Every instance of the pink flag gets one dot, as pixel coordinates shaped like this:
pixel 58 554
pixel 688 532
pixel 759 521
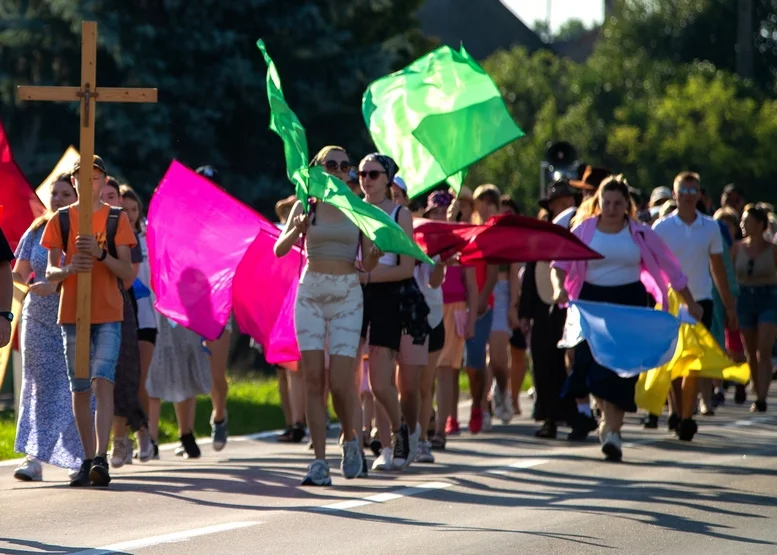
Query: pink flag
pixel 210 255
pixel 197 236
pixel 264 292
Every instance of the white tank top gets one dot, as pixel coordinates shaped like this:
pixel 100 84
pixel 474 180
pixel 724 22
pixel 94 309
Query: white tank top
pixel 389 258
pixel 621 262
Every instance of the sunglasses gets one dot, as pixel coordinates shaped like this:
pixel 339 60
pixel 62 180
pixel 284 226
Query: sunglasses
pixel 372 174
pixel 688 191
pixel 332 165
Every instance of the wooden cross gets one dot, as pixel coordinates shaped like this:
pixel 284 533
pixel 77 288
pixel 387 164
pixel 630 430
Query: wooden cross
pixel 87 95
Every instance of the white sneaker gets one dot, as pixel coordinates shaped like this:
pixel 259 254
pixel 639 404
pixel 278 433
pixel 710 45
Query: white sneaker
pixel 424 452
pixel 73 473
pixel 119 452
pixel 145 446
pixel 507 409
pixel 497 400
pixel 385 460
pixel 487 426
pixel 29 471
pixel 612 446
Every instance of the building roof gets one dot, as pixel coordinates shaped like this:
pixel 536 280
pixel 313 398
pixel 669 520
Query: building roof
pixel 483 26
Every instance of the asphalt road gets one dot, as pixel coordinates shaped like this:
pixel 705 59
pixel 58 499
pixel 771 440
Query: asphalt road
pixel 503 492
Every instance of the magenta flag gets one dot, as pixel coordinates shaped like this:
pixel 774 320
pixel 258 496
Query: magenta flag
pixel 211 255
pixel 264 293
pixel 197 236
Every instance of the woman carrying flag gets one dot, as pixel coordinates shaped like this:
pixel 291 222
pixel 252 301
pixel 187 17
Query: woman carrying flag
pixel 636 261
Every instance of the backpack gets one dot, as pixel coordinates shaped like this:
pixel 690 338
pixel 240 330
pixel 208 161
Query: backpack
pixel 111 227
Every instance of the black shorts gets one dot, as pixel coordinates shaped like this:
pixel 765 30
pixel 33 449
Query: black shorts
pixel 517 340
pixel 437 338
pixel 381 315
pixel 148 335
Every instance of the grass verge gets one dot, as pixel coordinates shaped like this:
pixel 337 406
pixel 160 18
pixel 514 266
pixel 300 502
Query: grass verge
pixel 254 405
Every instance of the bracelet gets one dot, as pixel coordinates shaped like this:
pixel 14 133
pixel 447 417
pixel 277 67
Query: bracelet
pixel 102 256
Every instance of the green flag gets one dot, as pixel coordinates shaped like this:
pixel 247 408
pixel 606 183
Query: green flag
pixel 378 226
pixel 437 117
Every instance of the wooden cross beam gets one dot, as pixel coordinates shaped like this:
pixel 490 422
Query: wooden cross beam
pixel 87 95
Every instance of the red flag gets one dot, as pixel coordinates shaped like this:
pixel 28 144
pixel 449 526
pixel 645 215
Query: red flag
pixel 20 203
pixel 501 240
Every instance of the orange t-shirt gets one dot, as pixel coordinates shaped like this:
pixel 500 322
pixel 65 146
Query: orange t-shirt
pixel 107 300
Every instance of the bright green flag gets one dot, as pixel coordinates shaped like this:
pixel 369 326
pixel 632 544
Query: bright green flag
pixel 380 227
pixel 437 117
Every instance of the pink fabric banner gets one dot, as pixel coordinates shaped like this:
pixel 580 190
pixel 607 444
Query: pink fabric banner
pixel 264 293
pixel 197 236
pixel 211 255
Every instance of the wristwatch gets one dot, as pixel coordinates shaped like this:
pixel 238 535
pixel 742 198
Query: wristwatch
pixel 7 315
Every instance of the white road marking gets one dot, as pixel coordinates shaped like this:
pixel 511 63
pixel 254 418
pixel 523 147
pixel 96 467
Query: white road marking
pixel 166 538
pixel 383 497
pixel 522 464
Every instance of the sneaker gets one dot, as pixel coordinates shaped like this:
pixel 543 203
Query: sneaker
pixel 219 432
pixel 29 471
pixel 179 451
pixel 438 442
pixel 475 421
pixel 650 422
pixel 549 430
pixel 318 474
pixel 740 394
pixel 402 462
pixel 758 406
pixel 156 450
pixel 130 450
pixel 497 400
pixel 424 454
pixel 672 422
pixel 81 479
pixel 351 465
pixel 486 426
pixel 612 446
pixel 365 467
pixel 508 409
pixel 73 473
pixel 99 475
pixel 119 453
pixel 581 427
pixel 686 429
pixel 285 437
pixel 452 427
pixel 190 447
pixel 385 460
pixel 146 446
pixel 718 398
pixel 400 443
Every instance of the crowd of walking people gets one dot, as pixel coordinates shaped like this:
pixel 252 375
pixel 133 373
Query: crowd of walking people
pixel 383 334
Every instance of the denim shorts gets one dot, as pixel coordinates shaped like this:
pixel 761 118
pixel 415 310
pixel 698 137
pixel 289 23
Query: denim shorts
pixel 757 305
pixel 105 341
pixel 475 352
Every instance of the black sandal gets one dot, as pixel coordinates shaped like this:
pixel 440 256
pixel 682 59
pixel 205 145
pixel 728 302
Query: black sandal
pixel 285 437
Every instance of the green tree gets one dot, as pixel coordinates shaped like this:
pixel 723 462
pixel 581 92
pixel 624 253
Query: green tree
pixel 570 30
pixel 203 59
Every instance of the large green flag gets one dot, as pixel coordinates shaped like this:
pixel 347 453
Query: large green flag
pixel 437 117
pixel 315 182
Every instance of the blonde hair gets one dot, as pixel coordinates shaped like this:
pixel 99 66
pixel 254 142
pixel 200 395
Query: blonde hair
pixel 283 208
pixel 686 176
pixel 320 158
pixel 591 206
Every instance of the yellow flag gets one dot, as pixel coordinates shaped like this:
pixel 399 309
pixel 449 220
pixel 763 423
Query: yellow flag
pixel 19 292
pixel 697 351
pixel 64 165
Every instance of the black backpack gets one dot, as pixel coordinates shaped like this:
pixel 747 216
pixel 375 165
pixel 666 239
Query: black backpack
pixel 111 227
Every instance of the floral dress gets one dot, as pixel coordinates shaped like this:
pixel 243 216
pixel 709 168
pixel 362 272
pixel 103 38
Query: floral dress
pixel 46 428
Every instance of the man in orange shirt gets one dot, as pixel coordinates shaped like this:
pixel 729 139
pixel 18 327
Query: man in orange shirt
pixel 89 254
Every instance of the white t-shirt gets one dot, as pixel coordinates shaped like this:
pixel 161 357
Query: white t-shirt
pixel 433 296
pixel 692 245
pixel 565 217
pixel 148 317
pixel 621 262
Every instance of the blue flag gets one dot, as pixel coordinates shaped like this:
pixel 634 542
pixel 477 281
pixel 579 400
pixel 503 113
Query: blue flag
pixel 628 340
